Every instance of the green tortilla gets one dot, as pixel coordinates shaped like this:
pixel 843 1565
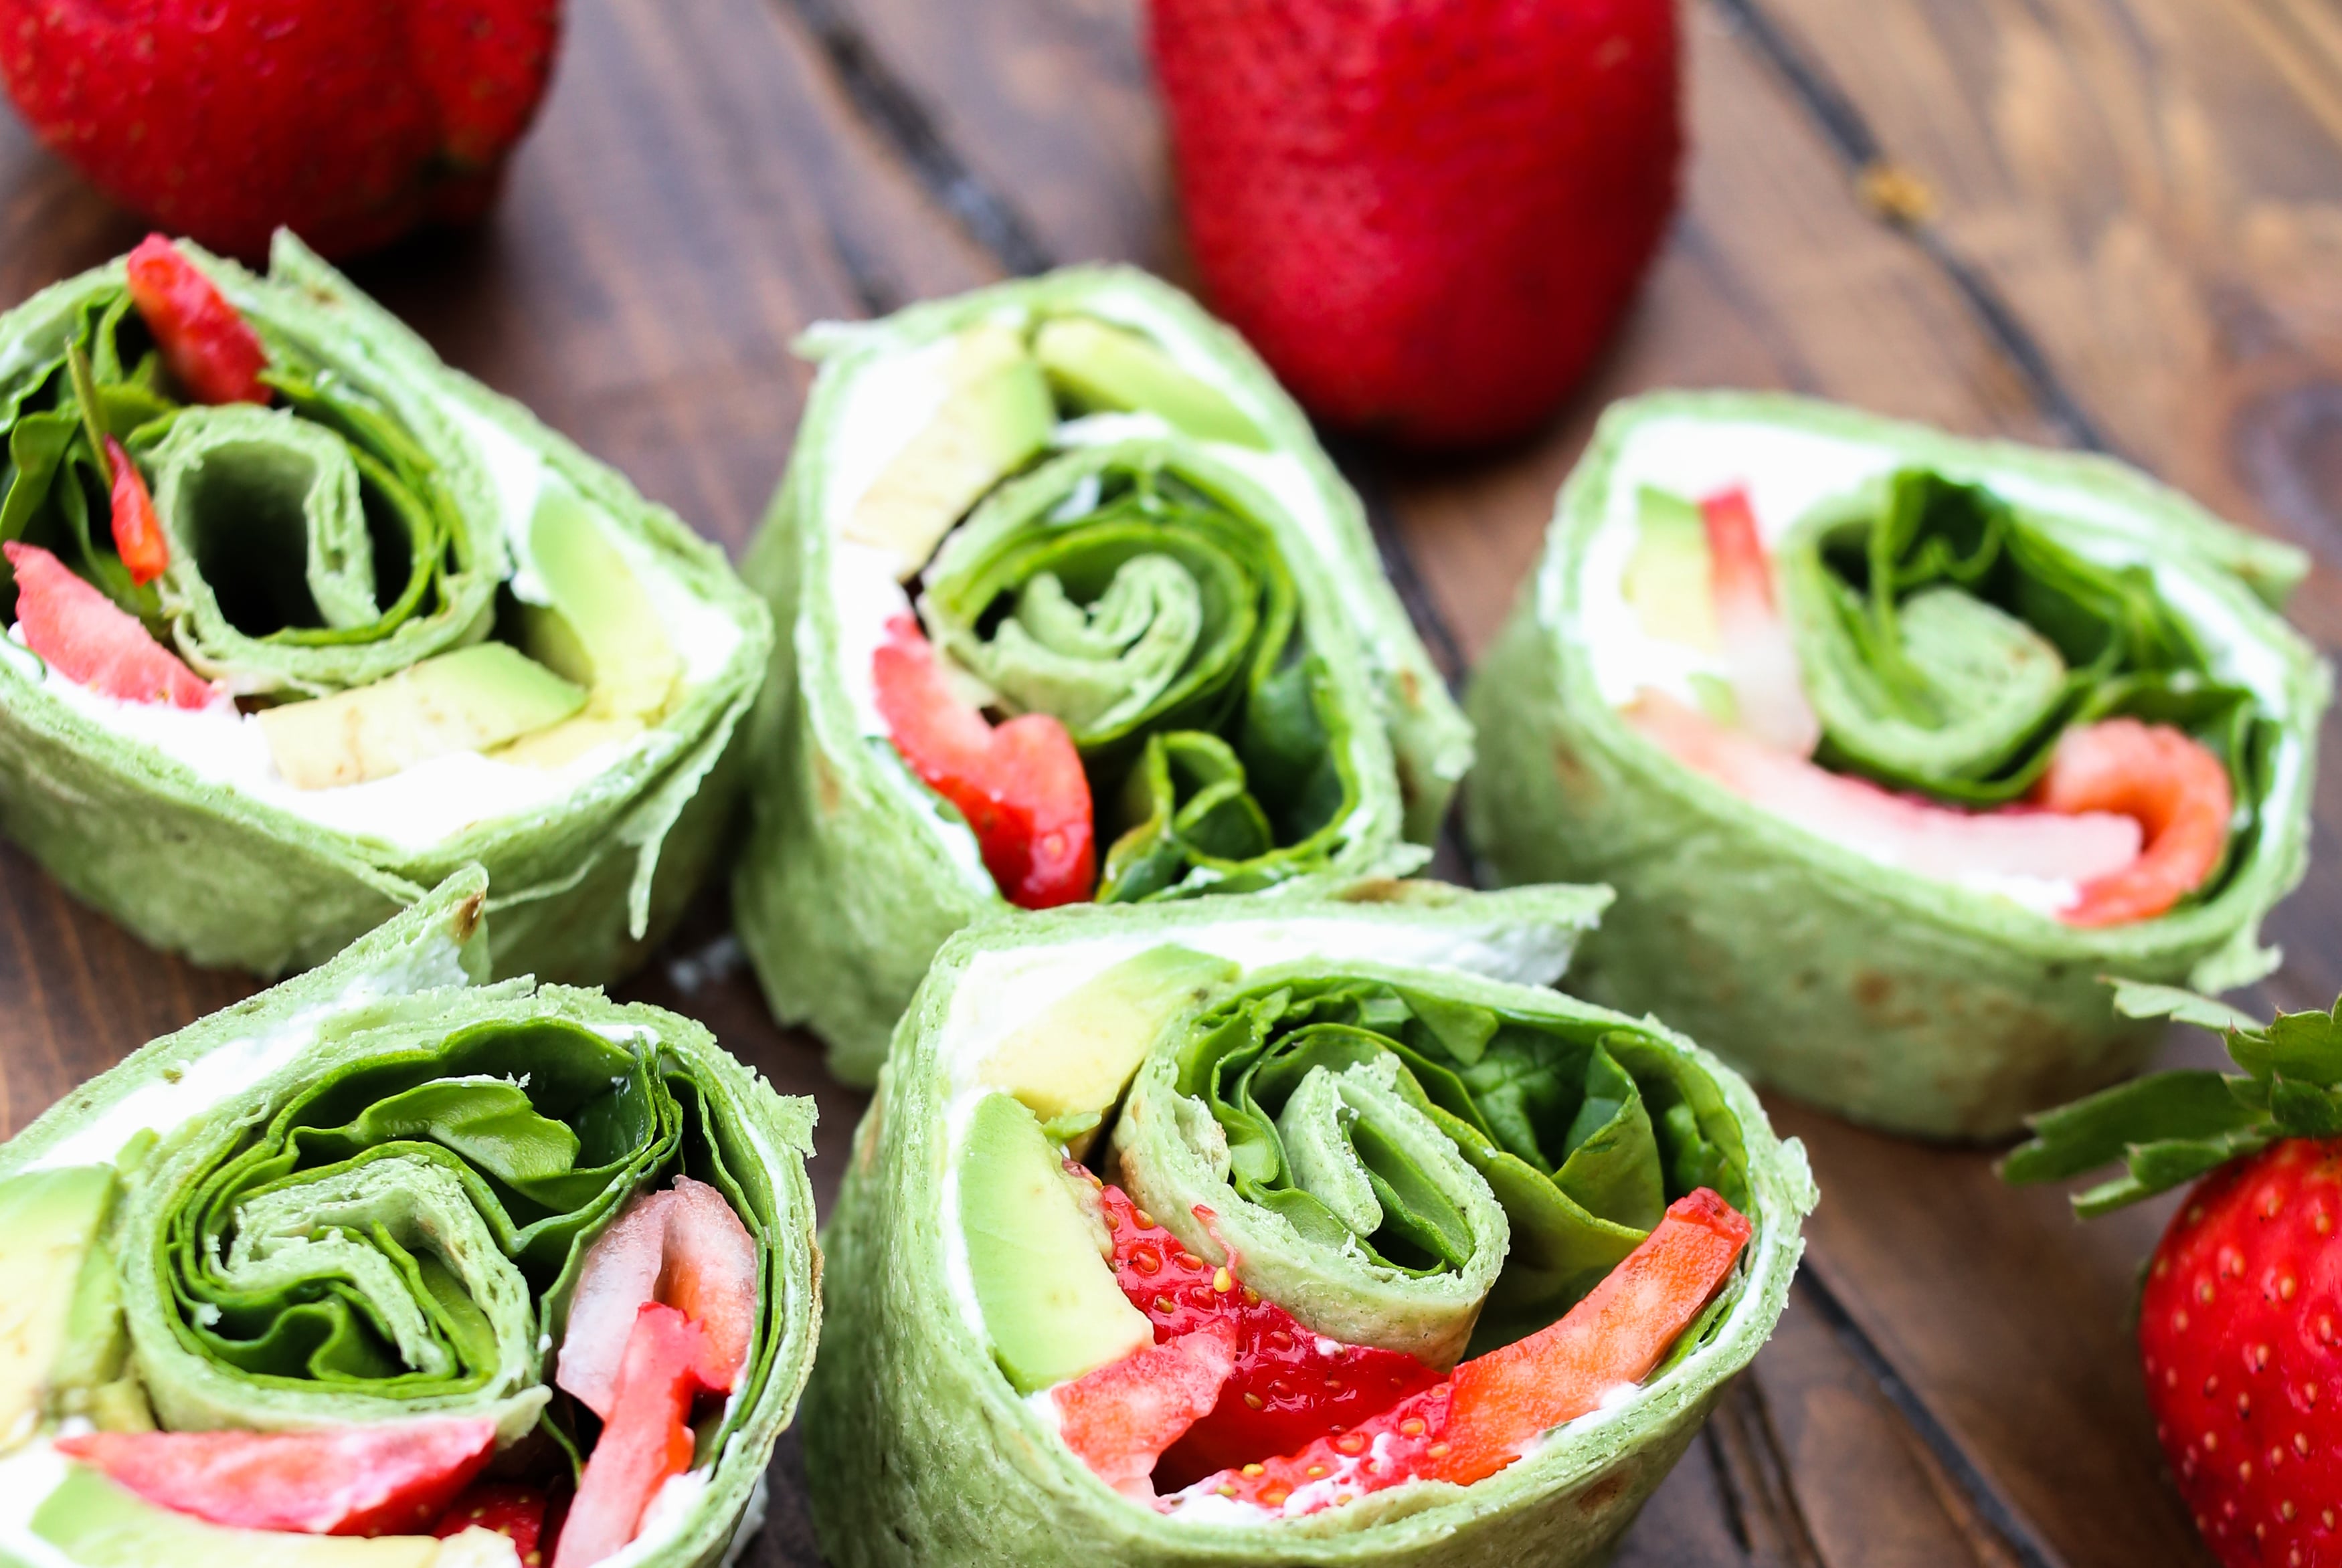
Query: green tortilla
pixel 379 510
pixel 393 1146
pixel 1906 1002
pixel 920 1451
pixel 1274 722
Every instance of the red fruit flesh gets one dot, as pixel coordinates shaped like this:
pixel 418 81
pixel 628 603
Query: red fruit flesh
pixel 1426 214
pixel 2240 1337
pixel 1120 1418
pixel 210 349
pixel 1497 1405
pixel 1287 1385
pixel 1020 786
pixel 1914 834
pixel 1756 646
pixel 392 1479
pixel 137 532
pixel 512 1511
pixel 645 1442
pixel 682 1248
pixel 2177 789
pixel 344 120
pixel 92 641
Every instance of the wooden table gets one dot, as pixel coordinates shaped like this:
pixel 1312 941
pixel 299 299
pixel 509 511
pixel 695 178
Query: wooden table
pixel 2109 223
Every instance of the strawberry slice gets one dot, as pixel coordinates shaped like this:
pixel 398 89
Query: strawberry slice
pixel 391 1478
pixel 1498 1404
pixel 646 1441
pixel 508 1509
pixel 1287 1385
pixel 138 537
pixel 1760 656
pixel 682 1248
pixel 211 349
pixel 2177 789
pixel 1914 834
pixel 1120 1418
pixel 95 643
pixel 1020 786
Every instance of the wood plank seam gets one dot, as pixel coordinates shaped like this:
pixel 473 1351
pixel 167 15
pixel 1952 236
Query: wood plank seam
pixel 1754 1480
pixel 1848 134
pixel 1994 1512
pixel 884 99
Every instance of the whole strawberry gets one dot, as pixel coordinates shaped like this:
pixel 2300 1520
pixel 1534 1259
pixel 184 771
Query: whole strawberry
pixel 1426 215
pixel 348 121
pixel 2240 1312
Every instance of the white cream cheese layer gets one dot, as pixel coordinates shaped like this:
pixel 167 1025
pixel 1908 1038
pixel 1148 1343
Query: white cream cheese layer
pixel 1788 472
pixel 427 805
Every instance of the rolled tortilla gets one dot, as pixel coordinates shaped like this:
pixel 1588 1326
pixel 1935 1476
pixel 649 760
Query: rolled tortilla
pixel 1911 986
pixel 1132 529
pixel 384 513
pixel 1549 1155
pixel 363 1196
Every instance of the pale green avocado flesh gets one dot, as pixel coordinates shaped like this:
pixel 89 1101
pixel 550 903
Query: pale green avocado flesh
pixel 49 1224
pixel 1074 1059
pixel 997 415
pixel 466 701
pixel 1051 1307
pixel 1667 579
pixel 1098 366
pixel 97 1525
pixel 615 643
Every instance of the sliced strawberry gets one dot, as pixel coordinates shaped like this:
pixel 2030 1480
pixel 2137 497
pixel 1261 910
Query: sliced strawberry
pixel 1120 1418
pixel 137 532
pixel 1289 1384
pixel 211 349
pixel 645 1440
pixel 510 1510
pixel 1498 1404
pixel 2177 789
pixel 1020 786
pixel 684 1248
pixel 1914 834
pixel 1760 658
pixel 393 1478
pixel 95 643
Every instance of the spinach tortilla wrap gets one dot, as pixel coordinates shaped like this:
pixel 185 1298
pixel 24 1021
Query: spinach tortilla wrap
pixel 1071 607
pixel 302 621
pixel 369 1269
pixel 1311 1230
pixel 1893 744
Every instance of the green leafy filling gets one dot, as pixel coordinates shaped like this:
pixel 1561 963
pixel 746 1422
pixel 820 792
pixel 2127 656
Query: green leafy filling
pixel 1948 641
pixel 1583 1130
pixel 1119 591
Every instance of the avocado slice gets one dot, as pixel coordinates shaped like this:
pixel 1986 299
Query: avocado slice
pixel 50 1223
pixel 602 630
pixel 1667 579
pixel 466 701
pixel 97 1525
pixel 1076 1056
pixel 1095 365
pixel 1050 1303
pixel 997 415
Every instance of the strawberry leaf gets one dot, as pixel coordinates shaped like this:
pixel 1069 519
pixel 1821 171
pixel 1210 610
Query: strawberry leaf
pixel 2172 1127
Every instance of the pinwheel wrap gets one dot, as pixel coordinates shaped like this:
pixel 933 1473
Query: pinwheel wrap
pixel 364 1195
pixel 1955 607
pixel 381 511
pixel 1200 602
pixel 1538 1127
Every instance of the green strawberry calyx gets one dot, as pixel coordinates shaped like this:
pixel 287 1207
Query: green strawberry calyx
pixel 2171 1127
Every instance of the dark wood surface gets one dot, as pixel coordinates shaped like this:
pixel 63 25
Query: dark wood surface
pixel 2105 222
